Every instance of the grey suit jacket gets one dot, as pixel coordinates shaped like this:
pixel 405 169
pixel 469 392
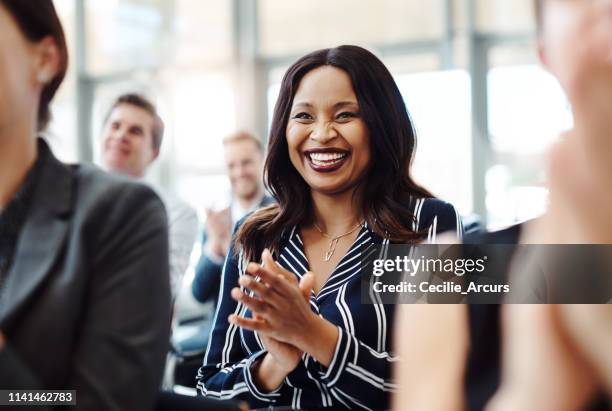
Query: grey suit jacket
pixel 87 299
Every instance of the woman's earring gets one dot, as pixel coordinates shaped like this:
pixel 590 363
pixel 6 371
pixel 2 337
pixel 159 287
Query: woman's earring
pixel 42 77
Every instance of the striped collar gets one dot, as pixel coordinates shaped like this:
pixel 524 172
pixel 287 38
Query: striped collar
pixel 293 258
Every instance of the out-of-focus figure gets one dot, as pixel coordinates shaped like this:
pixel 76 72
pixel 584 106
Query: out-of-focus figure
pixel 244 160
pixel 132 138
pixel 570 343
pixel 554 356
pixel 84 290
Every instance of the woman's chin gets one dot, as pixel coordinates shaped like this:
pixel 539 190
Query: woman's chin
pixel 330 189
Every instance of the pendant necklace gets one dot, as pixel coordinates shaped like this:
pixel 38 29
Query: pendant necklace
pixel 334 240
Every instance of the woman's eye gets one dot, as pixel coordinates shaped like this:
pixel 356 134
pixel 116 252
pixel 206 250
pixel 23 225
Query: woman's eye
pixel 302 116
pixel 346 115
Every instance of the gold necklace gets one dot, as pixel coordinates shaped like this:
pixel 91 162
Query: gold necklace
pixel 334 240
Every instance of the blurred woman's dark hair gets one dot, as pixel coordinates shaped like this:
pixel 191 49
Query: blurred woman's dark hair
pixel 38 19
pixel 388 190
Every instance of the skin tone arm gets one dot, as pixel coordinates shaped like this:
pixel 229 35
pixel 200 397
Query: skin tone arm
pixel 431 372
pixel 1 341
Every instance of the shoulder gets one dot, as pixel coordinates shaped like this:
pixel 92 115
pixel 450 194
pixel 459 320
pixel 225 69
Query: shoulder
pixel 509 235
pixel 438 213
pixel 179 211
pixel 258 218
pixel 267 200
pixel 108 197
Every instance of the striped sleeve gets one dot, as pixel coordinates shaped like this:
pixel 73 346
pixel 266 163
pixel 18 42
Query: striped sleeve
pixel 439 217
pixel 226 372
pixel 358 374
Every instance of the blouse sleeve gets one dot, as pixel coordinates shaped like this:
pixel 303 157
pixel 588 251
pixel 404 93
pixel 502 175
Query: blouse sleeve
pixel 437 217
pixel 358 374
pixel 226 371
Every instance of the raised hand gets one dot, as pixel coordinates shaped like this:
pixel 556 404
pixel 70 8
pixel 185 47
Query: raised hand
pixel 219 231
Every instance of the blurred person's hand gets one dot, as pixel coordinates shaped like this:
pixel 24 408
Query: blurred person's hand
pixel 576 47
pixel 541 369
pixel 219 231
pixel 580 182
pixel 551 353
pixel 1 341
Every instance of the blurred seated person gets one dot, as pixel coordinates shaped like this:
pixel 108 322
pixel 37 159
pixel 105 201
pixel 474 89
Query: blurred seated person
pixel 131 141
pixel 243 153
pixel 84 289
pixel 291 328
pixel 244 158
pixel 553 355
pixel 570 343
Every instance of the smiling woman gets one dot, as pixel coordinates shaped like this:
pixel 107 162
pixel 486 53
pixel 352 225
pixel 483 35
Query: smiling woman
pixel 338 164
pixel 325 108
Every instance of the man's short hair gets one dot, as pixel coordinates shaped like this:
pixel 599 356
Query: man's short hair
pixel 145 104
pixel 243 136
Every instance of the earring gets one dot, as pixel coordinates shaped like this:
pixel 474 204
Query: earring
pixel 43 77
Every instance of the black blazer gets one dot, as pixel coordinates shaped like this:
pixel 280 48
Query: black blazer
pixel 86 304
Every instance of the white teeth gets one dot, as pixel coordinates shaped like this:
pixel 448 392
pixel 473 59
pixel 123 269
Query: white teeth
pixel 326 156
pixel 326 159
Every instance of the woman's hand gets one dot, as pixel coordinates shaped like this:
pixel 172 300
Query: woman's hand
pixel 280 360
pixel 286 357
pixel 283 309
pixel 279 301
pixel 281 357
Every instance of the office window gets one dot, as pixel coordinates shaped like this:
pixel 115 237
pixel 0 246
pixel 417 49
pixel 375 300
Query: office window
pixel 504 16
pixel 134 34
pixel 439 103
pixel 286 28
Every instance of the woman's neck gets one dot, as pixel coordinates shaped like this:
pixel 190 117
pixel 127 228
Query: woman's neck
pixel 17 155
pixel 336 214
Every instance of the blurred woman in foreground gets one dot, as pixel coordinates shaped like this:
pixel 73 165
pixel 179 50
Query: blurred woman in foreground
pixel 84 286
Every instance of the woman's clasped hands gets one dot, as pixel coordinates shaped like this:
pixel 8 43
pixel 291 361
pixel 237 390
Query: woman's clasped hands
pixel 282 317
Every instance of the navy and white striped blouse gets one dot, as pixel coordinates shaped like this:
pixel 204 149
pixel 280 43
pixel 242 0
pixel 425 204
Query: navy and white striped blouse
pixel 359 376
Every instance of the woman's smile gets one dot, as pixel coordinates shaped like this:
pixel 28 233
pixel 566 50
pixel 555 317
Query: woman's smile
pixel 326 160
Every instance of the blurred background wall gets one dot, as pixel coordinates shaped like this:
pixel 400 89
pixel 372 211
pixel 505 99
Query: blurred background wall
pixel 484 110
